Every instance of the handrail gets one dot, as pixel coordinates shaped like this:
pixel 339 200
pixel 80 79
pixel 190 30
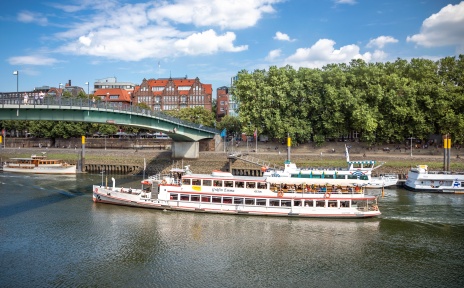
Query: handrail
pixel 86 104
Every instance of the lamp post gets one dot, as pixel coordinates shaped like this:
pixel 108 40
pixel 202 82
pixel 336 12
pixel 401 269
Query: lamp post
pixel 106 100
pixel 17 83
pixel 88 96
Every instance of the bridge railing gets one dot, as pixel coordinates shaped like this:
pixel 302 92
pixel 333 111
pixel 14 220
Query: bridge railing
pixel 87 104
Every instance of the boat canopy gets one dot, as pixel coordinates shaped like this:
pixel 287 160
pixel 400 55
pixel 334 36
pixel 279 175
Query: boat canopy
pixel 316 181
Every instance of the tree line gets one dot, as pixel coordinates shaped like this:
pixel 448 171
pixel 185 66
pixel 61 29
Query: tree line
pixel 382 102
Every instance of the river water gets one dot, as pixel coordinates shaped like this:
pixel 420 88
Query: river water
pixel 53 235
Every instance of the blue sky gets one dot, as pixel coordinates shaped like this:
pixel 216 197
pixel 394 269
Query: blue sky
pixel 50 42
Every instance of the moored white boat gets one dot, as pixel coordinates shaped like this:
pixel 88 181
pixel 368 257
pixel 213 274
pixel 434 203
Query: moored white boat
pixel 357 170
pixel 420 179
pixel 221 192
pixel 38 165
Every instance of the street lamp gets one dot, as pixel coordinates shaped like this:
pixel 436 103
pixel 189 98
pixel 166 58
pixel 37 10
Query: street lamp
pixel 107 97
pixel 88 96
pixel 17 81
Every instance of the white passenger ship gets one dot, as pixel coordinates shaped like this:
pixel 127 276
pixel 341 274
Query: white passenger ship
pixel 420 179
pixel 357 170
pixel 38 164
pixel 221 192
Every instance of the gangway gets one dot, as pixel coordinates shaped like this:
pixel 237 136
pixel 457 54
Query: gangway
pixel 250 159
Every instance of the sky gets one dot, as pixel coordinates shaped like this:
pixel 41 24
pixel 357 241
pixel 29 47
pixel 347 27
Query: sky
pixel 50 42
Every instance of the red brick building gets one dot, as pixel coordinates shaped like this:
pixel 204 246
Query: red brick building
pixel 222 94
pixel 162 94
pixel 173 93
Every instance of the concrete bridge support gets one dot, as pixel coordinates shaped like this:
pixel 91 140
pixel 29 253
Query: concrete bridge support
pixel 185 150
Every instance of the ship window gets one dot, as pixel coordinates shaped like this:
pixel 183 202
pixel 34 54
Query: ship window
pixel 174 196
pixel 345 204
pixel 216 199
pixel 238 200
pixel 286 203
pixel 332 204
pixel 228 183
pixel 185 181
pixel 239 184
pixel 251 185
pixel 227 200
pixel 309 203
pixel 195 198
pixel 261 202
pixel 206 182
pixel 274 202
pixel 261 185
pixel 320 203
pixel 206 199
pixel 217 183
pixel 184 197
pixel 249 201
pixel 297 203
pixel 196 182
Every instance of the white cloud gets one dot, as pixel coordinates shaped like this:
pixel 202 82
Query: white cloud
pixel 31 17
pixel 381 41
pixel 445 28
pixel 323 53
pixel 273 54
pixel 227 14
pixel 208 43
pixel 282 36
pixel 32 60
pixel 133 32
pixel 351 2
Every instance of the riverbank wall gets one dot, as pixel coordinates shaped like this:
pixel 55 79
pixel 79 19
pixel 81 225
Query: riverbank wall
pixel 133 161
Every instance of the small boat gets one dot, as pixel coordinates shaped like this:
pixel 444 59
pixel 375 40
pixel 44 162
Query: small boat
pixel 420 179
pixel 357 170
pixel 38 164
pixel 224 193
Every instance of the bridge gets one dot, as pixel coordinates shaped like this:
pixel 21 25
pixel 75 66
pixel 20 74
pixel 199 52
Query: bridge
pixel 185 135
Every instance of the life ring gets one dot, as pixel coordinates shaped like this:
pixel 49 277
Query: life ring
pixel 96 190
pixel 280 194
pixel 327 194
pixel 375 207
pixel 163 182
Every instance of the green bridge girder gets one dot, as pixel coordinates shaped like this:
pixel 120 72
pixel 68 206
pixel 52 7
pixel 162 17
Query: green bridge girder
pixel 178 130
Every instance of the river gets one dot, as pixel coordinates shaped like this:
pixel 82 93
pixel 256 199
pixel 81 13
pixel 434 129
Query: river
pixel 53 235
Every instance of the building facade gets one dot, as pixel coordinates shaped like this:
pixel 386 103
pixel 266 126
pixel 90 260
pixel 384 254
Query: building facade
pixel 222 104
pixel 173 93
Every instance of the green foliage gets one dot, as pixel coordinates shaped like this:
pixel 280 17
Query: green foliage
pixel 382 102
pixel 231 124
pixel 197 115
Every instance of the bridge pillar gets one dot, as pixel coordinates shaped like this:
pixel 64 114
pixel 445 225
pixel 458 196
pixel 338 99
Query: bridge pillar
pixel 188 150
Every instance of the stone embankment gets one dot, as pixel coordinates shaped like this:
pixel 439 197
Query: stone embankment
pixel 330 155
